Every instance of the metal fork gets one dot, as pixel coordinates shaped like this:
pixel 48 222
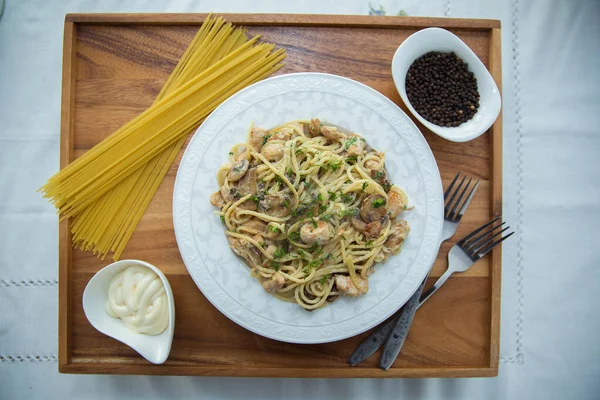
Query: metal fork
pixel 454 209
pixel 470 249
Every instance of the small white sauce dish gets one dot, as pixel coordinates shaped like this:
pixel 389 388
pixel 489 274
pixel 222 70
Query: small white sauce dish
pixel 154 348
pixel 437 39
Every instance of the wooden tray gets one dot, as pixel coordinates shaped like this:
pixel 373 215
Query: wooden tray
pixel 115 64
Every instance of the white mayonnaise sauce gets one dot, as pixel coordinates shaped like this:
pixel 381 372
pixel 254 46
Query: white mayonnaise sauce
pixel 138 297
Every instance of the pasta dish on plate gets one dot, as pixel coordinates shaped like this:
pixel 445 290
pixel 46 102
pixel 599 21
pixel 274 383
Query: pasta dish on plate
pixel 311 210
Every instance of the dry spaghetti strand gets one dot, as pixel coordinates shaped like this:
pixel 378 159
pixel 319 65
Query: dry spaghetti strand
pixel 106 191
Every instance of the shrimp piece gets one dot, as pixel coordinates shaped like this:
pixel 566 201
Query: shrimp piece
pixel 395 205
pixel 345 285
pixel 279 135
pixel 355 145
pixel 274 284
pixel 372 165
pixel 257 138
pixel 331 132
pixel 217 200
pixel 272 151
pixel 245 250
pixel 395 240
pixel 315 127
pixel 271 249
pixel 319 234
pixel 236 246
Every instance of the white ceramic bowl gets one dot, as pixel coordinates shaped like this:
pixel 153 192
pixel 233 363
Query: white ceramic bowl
pixel 154 348
pixel 437 39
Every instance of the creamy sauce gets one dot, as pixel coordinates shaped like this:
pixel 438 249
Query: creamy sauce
pixel 137 296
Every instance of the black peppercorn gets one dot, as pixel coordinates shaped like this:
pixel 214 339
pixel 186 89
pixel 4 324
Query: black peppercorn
pixel 441 89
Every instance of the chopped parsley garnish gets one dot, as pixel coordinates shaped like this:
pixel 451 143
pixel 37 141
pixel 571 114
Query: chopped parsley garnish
pixel 255 198
pixel 404 207
pixel 299 151
pixel 231 153
pixel 302 253
pixel 274 229
pixel 351 159
pixel 275 265
pixel 378 203
pixel 307 184
pixel 278 178
pixel 323 279
pixel 369 243
pixel 314 263
pixel 280 252
pixel 334 165
pixel 331 196
pixel 350 142
pixel 286 203
pixel 314 222
pixel 329 256
pixel 266 138
pixel 294 236
pixel 346 198
pixel 315 248
pixel 289 171
pixel 325 217
pixel 364 186
pixel 222 218
pixel 322 208
pixel 320 197
pixel 379 175
pixel 363 139
pixel 352 211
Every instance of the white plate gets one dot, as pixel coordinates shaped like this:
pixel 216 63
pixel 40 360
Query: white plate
pixel 224 278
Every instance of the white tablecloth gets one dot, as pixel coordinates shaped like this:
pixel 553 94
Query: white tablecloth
pixel 551 274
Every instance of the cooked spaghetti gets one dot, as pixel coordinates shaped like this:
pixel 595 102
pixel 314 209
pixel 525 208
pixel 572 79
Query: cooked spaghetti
pixel 311 210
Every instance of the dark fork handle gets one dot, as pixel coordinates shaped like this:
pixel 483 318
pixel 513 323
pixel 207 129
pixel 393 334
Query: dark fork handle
pixel 374 341
pixel 438 284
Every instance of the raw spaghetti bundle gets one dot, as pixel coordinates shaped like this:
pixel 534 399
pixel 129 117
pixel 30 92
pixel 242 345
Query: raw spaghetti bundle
pixel 106 191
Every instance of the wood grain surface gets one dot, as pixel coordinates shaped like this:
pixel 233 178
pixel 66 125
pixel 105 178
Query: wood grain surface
pixel 114 65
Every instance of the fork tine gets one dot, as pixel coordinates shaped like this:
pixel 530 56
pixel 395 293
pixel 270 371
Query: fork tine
pixel 467 201
pixel 447 192
pixel 476 231
pixel 454 196
pixel 471 243
pixel 491 246
pixel 488 241
pixel 455 208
